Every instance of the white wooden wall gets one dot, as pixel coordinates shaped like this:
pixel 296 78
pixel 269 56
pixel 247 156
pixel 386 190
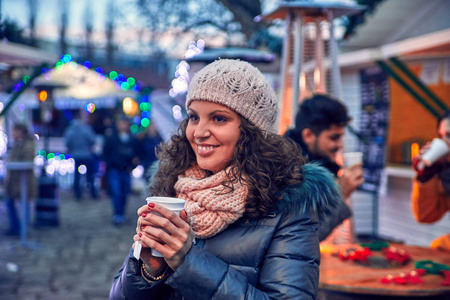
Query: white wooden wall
pixel 362 202
pixel 351 97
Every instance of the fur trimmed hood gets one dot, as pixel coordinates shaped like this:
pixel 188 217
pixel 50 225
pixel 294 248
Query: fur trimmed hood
pixel 318 191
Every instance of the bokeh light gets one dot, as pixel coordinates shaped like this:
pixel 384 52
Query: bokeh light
pixel 145 122
pixel 50 170
pixel 145 114
pixel 82 169
pixel 130 107
pixel 181 81
pixel 138 171
pixel 3 143
pixel 89 107
pixel 39 160
pixel 145 106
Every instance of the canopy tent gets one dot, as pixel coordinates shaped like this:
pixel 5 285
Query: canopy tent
pixel 12 54
pixel 75 81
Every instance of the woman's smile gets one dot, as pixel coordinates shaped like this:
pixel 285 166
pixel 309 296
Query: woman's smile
pixel 205 150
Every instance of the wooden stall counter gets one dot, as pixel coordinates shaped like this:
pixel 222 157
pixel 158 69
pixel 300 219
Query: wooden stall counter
pixel 376 276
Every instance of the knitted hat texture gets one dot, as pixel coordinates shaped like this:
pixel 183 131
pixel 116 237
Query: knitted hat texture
pixel 239 86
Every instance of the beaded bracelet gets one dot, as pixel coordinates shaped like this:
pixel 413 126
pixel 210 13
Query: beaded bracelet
pixel 150 278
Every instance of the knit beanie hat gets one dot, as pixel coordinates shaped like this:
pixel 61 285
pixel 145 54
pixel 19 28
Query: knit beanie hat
pixel 239 86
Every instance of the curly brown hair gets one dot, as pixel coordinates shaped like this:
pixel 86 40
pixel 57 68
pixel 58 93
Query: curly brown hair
pixel 268 164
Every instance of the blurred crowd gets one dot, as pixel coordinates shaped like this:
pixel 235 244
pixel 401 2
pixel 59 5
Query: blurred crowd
pixel 103 163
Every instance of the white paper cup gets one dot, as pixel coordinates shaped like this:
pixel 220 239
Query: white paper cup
pixel 438 148
pixel 174 204
pixel 352 158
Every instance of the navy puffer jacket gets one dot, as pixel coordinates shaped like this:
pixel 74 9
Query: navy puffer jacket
pixel 275 257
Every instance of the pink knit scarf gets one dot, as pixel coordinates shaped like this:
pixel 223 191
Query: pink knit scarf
pixel 209 209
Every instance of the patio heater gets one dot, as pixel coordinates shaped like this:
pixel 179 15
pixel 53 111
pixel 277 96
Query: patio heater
pixel 309 37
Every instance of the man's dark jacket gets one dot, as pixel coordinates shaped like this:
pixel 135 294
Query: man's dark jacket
pixel 327 222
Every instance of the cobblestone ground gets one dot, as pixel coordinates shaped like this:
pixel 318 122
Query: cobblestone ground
pixel 75 261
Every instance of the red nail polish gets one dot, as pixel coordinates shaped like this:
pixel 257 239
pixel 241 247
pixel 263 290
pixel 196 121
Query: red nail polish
pixel 151 205
pixel 140 234
pixel 143 226
pixel 144 215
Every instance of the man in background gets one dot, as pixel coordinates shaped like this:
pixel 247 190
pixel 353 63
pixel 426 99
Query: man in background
pixel 120 152
pixel 319 128
pixel 80 138
pixel 22 150
pixel 430 197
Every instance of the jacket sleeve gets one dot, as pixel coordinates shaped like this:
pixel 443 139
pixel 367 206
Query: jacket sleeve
pixel 428 201
pixel 290 269
pixel 328 222
pixel 129 284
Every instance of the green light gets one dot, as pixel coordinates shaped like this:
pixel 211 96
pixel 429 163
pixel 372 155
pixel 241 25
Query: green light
pixel 145 106
pixel 59 65
pixel 134 129
pixel 42 152
pixel 26 78
pixel 113 75
pixel 131 81
pixel 124 85
pixel 50 155
pixel 62 156
pixel 145 122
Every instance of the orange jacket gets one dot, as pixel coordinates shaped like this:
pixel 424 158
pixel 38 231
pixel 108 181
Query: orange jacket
pixel 429 204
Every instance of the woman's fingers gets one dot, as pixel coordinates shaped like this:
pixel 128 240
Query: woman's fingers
pixel 153 237
pixel 184 216
pixel 143 209
pixel 136 238
pixel 166 232
pixel 173 216
pixel 157 224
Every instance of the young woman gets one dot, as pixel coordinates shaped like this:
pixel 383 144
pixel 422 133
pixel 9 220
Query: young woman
pixel 249 228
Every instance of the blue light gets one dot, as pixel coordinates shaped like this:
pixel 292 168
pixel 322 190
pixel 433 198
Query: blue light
pixel 145 114
pixel 99 70
pixel 87 64
pixel 66 58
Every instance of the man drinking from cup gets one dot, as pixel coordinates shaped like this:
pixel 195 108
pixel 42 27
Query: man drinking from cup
pixel 319 128
pixel 430 197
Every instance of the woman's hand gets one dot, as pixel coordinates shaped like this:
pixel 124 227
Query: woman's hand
pixel 167 233
pixel 154 265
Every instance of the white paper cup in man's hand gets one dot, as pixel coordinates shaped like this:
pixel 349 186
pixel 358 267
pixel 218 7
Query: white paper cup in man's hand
pixel 438 148
pixel 174 204
pixel 352 158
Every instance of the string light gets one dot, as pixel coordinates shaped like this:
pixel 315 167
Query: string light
pixel 181 81
pixel 89 107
